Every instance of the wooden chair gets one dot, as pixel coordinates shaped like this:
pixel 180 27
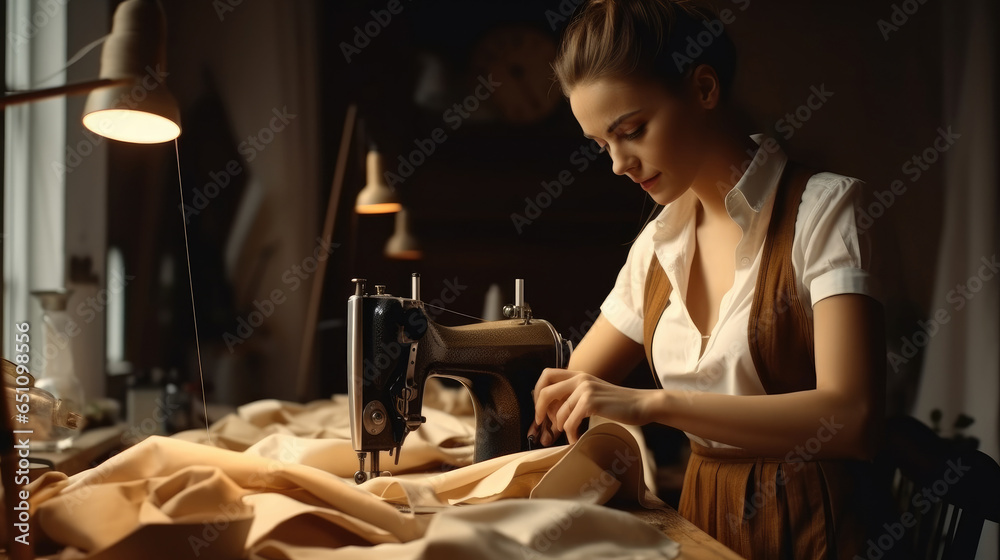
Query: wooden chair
pixel 943 491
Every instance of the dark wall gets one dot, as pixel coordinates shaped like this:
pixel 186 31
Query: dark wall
pixel 882 107
pixel 885 108
pixel 461 197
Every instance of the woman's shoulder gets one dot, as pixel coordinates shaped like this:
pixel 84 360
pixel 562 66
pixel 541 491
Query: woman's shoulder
pixel 827 192
pixel 829 181
pixel 830 252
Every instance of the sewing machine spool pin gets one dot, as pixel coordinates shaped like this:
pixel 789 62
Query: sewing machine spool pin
pixel 520 309
pixel 359 286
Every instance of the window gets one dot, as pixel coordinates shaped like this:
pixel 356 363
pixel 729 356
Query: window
pixel 34 134
pixel 54 175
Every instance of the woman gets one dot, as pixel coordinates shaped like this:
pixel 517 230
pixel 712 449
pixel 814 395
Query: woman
pixel 748 293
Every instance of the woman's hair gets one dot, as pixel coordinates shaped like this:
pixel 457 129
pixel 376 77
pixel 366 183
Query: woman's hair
pixel 660 40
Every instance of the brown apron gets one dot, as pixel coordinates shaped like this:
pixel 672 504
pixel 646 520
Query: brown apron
pixel 768 508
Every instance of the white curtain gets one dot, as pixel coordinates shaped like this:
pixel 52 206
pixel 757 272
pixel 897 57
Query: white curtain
pixel 962 363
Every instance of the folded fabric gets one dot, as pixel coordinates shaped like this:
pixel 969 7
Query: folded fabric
pixel 318 434
pixel 517 528
pixel 446 440
pixel 288 496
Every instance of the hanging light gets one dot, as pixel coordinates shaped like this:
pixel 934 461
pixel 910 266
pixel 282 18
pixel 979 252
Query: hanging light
pixel 403 245
pixel 377 197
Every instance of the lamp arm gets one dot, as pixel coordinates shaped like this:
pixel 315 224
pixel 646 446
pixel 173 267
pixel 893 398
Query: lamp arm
pixel 68 89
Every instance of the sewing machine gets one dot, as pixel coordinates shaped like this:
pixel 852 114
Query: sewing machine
pixel 393 346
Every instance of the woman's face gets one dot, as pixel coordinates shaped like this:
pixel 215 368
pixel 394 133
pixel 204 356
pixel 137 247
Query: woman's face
pixel 652 134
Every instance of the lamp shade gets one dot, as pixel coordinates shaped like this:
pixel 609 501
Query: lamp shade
pixel 377 197
pixel 403 245
pixel 138 108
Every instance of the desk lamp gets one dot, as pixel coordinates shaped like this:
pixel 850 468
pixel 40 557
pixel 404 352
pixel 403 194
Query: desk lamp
pixel 128 103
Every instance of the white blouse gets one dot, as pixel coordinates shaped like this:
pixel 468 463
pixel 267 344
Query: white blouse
pixel 827 257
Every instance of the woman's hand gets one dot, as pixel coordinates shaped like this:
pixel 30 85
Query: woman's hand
pixel 564 398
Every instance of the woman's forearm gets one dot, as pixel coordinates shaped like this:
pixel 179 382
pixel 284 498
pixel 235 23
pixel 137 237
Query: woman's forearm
pixel 841 418
pixel 797 426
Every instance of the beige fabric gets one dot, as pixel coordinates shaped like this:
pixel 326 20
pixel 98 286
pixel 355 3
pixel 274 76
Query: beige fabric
pixel 282 495
pixel 446 440
pixel 318 435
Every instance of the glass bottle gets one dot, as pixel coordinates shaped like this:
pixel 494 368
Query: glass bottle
pixel 45 412
pixel 55 375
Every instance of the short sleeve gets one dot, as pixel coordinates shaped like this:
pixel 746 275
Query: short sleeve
pixel 623 306
pixel 827 251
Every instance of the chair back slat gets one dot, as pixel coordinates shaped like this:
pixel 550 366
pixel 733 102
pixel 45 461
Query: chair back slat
pixel 946 489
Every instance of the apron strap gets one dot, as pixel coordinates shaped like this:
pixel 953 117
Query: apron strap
pixel 656 297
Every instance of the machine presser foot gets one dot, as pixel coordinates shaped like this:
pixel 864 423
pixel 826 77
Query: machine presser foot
pixel 362 475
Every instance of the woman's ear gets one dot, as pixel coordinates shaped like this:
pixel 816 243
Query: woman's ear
pixel 705 86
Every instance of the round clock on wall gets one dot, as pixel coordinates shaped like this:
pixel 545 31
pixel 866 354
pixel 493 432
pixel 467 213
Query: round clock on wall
pixel 519 57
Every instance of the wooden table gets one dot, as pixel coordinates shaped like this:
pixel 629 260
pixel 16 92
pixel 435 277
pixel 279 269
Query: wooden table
pixel 695 543
pixel 89 447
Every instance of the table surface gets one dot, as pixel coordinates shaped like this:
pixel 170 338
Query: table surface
pixel 695 543
pixel 88 447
